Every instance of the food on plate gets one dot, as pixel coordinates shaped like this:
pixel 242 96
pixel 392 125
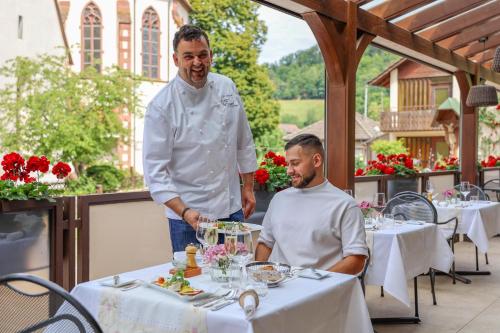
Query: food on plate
pixel 229 225
pixel 177 283
pixel 267 273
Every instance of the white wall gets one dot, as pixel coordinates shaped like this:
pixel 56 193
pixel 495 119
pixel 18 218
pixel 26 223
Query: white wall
pixel 41 30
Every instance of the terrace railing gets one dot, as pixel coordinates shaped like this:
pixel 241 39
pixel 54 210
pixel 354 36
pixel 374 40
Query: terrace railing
pixel 418 120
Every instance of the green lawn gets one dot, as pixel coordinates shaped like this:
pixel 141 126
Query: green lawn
pixel 301 112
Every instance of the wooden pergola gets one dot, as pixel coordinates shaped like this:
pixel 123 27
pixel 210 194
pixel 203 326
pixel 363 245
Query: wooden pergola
pixel 443 34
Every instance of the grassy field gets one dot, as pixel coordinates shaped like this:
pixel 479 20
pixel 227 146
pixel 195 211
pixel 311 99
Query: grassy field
pixel 301 112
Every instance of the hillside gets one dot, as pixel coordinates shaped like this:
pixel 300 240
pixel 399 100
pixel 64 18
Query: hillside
pixel 300 75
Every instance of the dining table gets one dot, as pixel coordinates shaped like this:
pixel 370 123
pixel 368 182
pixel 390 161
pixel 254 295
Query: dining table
pixel 333 304
pixel 400 253
pixel 479 220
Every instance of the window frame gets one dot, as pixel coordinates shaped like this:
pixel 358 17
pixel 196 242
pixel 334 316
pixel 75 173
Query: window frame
pixel 147 26
pixel 95 22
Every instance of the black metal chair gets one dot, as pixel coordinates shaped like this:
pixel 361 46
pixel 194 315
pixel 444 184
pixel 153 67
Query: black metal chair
pixel 493 185
pixel 413 206
pixel 476 191
pixel 362 275
pixel 31 304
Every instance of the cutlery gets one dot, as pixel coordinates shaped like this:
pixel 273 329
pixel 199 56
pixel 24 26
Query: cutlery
pixel 130 286
pixel 212 299
pixel 222 305
pixel 228 297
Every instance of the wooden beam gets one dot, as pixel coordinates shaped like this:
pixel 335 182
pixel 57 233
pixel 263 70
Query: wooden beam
pixel 394 8
pixel 468 131
pixel 361 2
pixel 437 13
pixel 372 24
pixel 477 47
pixel 461 22
pixel 471 34
pixel 483 56
pixel 341 50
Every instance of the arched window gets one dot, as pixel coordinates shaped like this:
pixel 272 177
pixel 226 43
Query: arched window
pixel 150 44
pixel 91 37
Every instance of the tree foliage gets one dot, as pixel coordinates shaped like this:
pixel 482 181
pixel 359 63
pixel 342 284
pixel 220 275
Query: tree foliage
pixel 300 75
pixel 387 147
pixel 236 37
pixel 51 110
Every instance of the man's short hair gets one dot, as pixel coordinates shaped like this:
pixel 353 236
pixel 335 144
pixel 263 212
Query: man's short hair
pixel 189 32
pixel 307 141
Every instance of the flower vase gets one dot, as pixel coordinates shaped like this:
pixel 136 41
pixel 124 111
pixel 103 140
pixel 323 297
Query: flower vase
pixel 219 274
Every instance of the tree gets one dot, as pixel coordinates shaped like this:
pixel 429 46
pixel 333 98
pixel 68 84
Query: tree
pixel 51 110
pixel 236 37
pixel 387 147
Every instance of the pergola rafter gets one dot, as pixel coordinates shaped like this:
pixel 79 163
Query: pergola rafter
pixel 460 22
pixel 436 13
pixel 449 42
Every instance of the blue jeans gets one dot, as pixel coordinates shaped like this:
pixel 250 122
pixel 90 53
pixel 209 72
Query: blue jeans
pixel 181 233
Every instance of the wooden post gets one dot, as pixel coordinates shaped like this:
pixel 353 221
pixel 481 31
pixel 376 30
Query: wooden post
pixel 468 131
pixel 341 49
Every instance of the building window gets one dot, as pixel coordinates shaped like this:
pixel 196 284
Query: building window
pixel 20 27
pixel 91 37
pixel 150 44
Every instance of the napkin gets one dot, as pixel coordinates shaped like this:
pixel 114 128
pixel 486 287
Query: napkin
pixel 310 273
pixel 121 282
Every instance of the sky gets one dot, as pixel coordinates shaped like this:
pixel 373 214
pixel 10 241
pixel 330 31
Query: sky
pixel 285 34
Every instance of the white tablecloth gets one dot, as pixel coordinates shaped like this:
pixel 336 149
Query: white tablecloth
pixel 403 252
pixel 478 221
pixel 334 304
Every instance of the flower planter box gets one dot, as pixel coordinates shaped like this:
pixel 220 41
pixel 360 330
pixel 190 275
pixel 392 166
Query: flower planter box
pixel 31 238
pixel 400 184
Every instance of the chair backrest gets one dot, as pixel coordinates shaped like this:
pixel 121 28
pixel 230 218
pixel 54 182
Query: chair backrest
pixel 31 304
pixel 411 206
pixel 474 190
pixel 493 185
pixel 362 274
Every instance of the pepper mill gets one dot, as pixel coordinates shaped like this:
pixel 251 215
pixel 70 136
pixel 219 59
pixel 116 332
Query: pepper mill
pixel 190 254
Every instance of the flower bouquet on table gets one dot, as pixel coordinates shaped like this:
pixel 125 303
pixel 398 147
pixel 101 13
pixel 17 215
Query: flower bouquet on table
pixel 21 179
pixel 446 163
pixel 272 172
pixel 366 209
pixel 219 261
pixel 394 164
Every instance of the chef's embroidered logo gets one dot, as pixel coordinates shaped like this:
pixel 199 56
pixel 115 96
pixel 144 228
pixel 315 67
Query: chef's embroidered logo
pixel 228 100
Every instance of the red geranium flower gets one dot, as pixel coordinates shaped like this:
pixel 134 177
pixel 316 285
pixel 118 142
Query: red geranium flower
pixel 61 170
pixel 279 160
pixel 359 172
pixel 13 163
pixel 261 176
pixel 270 154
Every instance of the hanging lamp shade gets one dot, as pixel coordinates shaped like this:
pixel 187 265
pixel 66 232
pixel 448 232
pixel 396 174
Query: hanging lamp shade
pixel 495 66
pixel 482 95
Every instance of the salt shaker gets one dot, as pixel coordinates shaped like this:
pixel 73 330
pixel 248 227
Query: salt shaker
pixel 249 301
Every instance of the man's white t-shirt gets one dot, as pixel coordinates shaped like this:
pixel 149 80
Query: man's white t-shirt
pixel 313 227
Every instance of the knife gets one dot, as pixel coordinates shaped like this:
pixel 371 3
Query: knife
pixel 222 305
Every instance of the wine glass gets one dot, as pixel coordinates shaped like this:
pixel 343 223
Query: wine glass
pixel 429 188
pixel 379 203
pixel 465 189
pixel 239 245
pixel 206 231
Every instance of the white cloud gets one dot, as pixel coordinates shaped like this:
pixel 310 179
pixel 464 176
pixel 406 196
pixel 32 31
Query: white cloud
pixel 285 34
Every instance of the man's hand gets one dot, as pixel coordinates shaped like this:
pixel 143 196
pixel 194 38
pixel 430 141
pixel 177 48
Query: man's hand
pixel 191 217
pixel 248 201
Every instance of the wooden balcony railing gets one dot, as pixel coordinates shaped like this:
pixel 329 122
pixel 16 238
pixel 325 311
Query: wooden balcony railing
pixel 419 120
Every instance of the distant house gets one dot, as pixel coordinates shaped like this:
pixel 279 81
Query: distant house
pixel 288 128
pixel 416 95
pixel 367 130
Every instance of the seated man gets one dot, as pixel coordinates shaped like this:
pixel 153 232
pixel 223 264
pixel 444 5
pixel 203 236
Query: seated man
pixel 312 224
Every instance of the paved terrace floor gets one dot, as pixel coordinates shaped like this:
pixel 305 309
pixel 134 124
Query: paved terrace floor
pixel 461 308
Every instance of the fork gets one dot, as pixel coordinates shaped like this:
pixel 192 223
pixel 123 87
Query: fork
pixel 232 295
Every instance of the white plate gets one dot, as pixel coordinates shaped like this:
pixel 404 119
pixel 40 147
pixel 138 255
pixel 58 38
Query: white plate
pixel 167 291
pixel 251 227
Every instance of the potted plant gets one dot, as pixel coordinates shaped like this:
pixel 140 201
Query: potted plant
pixel 26 211
pixel 447 163
pixel 271 177
pixel 399 165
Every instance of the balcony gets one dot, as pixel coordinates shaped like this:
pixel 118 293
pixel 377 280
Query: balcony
pixel 402 121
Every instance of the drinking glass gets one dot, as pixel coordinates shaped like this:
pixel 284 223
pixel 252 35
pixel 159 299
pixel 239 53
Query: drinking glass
pixel 465 189
pixel 388 221
pixel 239 244
pixel 429 188
pixel 349 191
pixel 474 199
pixel 206 231
pixel 398 220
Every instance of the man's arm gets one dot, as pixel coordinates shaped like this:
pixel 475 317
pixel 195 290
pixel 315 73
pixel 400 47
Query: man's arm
pixel 352 264
pixel 262 252
pixel 178 206
pixel 247 195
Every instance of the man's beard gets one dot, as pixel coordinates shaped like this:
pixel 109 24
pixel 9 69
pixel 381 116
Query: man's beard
pixel 306 180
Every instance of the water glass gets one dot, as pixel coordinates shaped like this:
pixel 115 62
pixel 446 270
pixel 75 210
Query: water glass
pixel 398 220
pixel 474 199
pixel 260 287
pixel 388 221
